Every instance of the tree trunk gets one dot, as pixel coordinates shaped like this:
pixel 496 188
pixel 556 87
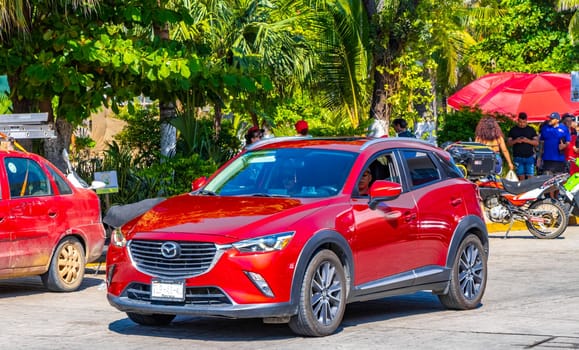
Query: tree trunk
pixel 53 147
pixel 167 113
pixel 379 107
pixel 217 121
pixel 167 109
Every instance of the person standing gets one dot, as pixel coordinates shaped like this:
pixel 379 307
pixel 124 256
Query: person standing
pixel 523 139
pixel 401 128
pixel 568 120
pixel 253 135
pixel 553 141
pixel 490 134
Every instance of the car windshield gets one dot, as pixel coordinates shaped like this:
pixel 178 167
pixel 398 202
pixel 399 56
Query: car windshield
pixel 288 172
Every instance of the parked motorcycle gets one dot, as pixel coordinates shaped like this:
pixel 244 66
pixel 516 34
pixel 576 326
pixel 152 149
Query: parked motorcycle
pixel 531 201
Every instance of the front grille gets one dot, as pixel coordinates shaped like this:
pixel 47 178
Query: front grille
pixel 193 295
pixel 194 258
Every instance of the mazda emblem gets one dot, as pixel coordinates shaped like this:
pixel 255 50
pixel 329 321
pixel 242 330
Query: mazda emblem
pixel 170 250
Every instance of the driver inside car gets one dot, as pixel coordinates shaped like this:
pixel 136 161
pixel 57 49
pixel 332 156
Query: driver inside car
pixel 364 183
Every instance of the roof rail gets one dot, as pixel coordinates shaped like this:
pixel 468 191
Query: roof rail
pixel 274 140
pixel 393 139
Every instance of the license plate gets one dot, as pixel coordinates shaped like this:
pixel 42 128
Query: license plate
pixel 167 290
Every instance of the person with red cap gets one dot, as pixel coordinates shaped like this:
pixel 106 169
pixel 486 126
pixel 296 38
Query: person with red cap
pixel 302 128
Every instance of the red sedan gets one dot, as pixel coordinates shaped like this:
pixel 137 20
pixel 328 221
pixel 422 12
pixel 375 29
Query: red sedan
pixel 286 232
pixel 48 227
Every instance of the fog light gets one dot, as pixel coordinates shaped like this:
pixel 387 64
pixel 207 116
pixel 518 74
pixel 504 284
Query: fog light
pixel 260 283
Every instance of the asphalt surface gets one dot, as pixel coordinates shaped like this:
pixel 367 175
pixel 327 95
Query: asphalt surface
pixel 531 302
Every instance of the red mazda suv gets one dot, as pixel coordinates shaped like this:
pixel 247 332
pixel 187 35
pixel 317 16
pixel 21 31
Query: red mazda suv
pixel 286 232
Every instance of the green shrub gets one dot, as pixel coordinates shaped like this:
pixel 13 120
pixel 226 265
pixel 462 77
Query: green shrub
pixel 460 125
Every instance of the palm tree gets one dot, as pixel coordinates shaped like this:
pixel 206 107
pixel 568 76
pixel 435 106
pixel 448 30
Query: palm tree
pixel 250 38
pixel 564 5
pixel 438 30
pixel 341 77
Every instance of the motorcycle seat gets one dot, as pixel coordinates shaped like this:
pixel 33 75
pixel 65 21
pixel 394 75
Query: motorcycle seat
pixel 518 187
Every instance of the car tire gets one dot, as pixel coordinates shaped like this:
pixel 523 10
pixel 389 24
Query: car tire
pixel 322 296
pixel 66 270
pixel 468 276
pixel 151 320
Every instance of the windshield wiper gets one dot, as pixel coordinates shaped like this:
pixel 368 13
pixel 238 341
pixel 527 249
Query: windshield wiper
pixel 269 195
pixel 206 192
pixel 261 195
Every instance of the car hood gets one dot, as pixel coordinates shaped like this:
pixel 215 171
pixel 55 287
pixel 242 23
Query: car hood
pixel 231 217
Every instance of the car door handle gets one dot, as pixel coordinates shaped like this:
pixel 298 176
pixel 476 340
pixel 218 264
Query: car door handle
pixel 52 214
pixel 456 202
pixel 393 215
pixel 410 217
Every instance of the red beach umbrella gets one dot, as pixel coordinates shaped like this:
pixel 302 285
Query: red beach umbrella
pixel 537 94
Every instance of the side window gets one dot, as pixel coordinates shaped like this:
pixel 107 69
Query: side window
pixel 26 178
pixel 383 168
pixel 421 168
pixel 450 168
pixel 63 187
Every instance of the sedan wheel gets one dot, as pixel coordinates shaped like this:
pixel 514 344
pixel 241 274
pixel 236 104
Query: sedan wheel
pixel 323 296
pixel 468 276
pixel 66 270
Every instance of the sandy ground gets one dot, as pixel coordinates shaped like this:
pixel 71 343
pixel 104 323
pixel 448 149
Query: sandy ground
pixel 103 129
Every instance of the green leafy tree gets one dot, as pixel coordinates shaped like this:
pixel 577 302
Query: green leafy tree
pixel 530 36
pixel 410 37
pixel 564 5
pixel 340 80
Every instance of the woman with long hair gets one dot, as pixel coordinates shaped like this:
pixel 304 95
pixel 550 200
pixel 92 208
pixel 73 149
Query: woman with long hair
pixel 489 133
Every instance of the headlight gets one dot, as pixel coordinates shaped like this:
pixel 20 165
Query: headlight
pixel 118 239
pixel 265 243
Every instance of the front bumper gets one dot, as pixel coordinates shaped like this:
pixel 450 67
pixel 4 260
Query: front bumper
pixel 125 304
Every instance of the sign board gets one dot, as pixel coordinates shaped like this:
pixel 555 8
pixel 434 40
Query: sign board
pixel 575 86
pixel 110 179
pixel 26 126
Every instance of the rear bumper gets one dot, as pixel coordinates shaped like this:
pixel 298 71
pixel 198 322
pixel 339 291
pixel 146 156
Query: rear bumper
pixel 95 241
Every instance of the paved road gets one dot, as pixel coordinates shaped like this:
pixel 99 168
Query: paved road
pixel 532 301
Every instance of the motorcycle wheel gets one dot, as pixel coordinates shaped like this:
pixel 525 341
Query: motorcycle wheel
pixel 553 219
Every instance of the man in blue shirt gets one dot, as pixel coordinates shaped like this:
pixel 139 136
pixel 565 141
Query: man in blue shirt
pixel 554 140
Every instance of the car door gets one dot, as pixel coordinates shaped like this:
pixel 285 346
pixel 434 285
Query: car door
pixel 31 212
pixel 440 204
pixel 385 237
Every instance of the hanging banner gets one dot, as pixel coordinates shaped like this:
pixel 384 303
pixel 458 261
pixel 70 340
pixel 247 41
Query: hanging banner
pixel 575 86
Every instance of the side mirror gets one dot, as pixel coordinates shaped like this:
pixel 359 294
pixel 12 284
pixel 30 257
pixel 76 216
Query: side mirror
pixel 382 190
pixel 198 183
pixel 95 185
